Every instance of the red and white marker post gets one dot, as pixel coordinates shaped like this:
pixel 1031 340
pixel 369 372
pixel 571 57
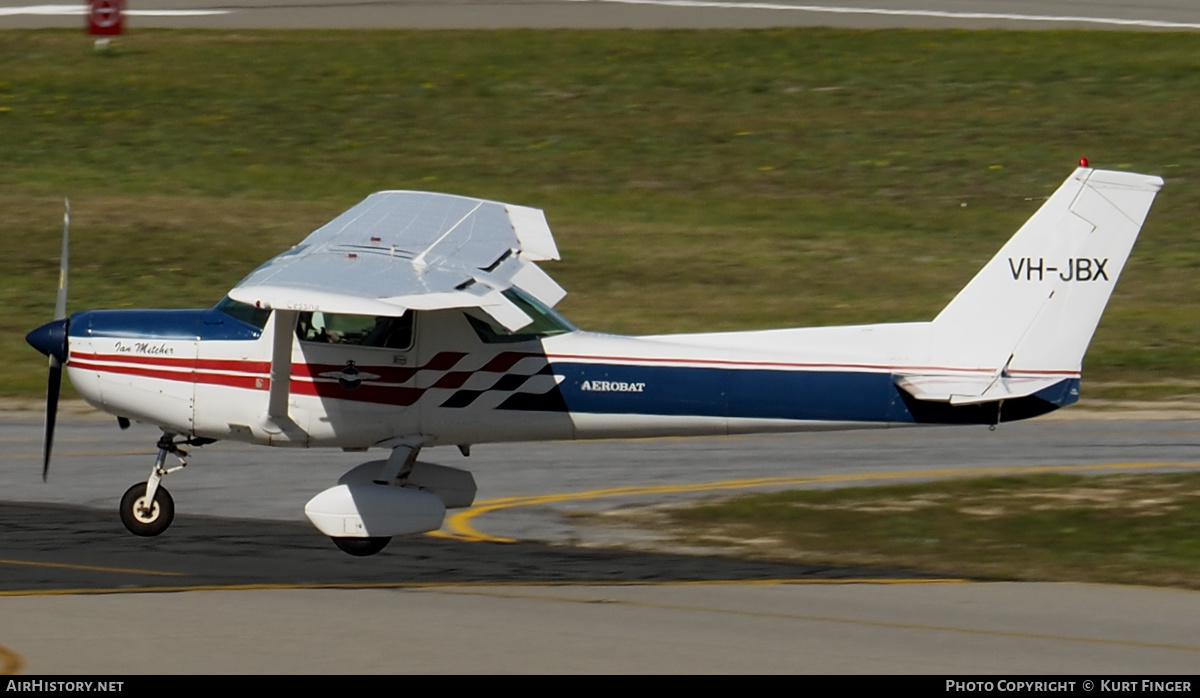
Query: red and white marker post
pixel 105 19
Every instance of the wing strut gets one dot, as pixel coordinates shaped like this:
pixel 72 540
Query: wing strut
pixel 281 363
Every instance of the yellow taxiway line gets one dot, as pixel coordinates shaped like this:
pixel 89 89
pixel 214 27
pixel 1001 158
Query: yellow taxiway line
pixel 509 584
pixel 91 568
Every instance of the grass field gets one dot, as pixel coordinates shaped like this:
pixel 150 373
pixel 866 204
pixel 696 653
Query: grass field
pixel 694 180
pixel 1129 529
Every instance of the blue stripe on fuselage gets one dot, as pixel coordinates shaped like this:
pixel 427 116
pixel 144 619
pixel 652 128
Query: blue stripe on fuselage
pixel 843 396
pixel 182 325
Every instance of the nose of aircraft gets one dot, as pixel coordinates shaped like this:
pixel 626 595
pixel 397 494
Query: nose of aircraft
pixel 50 339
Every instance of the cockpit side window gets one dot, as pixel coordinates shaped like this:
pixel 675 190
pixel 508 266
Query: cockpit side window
pixel 357 330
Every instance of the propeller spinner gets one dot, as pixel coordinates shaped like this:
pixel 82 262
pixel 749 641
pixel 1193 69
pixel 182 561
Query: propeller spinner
pixel 51 340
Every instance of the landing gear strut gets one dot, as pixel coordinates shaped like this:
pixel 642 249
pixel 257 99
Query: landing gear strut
pixel 148 509
pixel 394 473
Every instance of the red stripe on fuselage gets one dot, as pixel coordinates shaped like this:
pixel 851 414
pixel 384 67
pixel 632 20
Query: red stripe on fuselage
pixel 380 394
pixel 233 381
pixel 506 360
pixel 255 375
pixel 802 365
pixel 441 361
pixel 235 365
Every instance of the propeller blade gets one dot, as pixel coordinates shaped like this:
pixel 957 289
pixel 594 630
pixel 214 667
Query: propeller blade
pixel 60 302
pixel 51 340
pixel 53 383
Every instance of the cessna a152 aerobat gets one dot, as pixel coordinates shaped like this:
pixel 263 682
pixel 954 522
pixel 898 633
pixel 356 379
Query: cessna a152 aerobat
pixel 417 319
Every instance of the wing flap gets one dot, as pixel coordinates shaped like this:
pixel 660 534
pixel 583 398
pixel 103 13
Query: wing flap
pixel 531 228
pixel 528 277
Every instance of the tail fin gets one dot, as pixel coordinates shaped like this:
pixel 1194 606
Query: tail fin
pixel 1034 307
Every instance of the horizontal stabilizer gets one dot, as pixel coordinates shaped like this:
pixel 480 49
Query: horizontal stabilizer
pixel 974 390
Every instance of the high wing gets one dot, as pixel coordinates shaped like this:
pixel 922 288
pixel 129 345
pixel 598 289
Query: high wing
pixel 400 250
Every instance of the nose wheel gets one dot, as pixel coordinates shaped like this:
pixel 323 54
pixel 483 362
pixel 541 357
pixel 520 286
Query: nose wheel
pixel 147 509
pixel 147 517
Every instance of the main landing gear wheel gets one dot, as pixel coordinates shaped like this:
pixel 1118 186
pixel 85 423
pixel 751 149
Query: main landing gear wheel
pixel 142 520
pixel 361 547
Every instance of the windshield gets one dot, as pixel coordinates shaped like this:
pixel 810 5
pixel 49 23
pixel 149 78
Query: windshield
pixel 256 317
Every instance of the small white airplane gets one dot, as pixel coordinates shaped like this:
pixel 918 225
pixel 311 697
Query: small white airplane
pixel 417 319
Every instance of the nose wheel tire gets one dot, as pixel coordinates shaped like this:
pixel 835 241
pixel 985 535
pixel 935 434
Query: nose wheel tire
pixel 142 520
pixel 361 547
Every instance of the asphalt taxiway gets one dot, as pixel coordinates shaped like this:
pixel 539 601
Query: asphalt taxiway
pixel 241 584
pixel 533 491
pixel 1014 629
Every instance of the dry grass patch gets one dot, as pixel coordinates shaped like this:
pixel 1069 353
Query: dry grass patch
pixel 1141 529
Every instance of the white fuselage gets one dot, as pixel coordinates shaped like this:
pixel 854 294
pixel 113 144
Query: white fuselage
pixel 451 387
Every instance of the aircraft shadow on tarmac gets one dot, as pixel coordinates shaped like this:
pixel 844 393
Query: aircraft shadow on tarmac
pixel 52 548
